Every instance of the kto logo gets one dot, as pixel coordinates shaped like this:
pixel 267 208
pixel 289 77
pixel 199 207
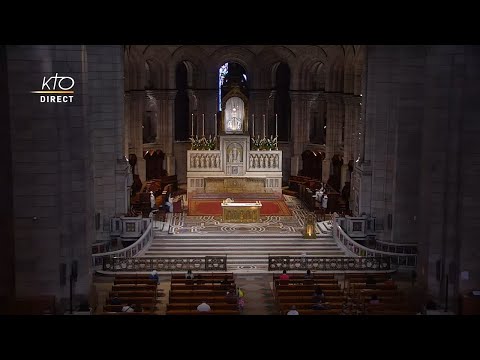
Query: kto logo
pixel 56 85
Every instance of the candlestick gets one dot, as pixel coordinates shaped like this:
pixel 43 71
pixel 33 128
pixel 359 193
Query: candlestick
pixel 276 125
pixel 203 124
pixel 215 124
pixel 264 125
pixel 192 125
pixel 253 126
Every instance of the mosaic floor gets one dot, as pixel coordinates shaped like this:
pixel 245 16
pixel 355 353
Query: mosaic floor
pixel 184 224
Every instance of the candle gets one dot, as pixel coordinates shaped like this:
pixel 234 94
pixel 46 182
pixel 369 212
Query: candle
pixel 203 124
pixel 215 124
pixel 192 124
pixel 264 125
pixel 276 125
pixel 253 126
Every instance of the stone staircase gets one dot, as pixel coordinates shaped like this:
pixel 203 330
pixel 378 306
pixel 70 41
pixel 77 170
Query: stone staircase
pixel 245 252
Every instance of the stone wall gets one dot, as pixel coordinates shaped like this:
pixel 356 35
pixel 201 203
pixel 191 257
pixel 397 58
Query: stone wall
pixel 64 160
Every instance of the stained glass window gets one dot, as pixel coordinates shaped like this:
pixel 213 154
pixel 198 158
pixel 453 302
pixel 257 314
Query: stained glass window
pixel 222 72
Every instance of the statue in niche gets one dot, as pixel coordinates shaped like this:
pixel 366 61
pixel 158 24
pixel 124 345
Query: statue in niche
pixel 234 113
pixel 251 161
pixel 234 153
pixel 197 162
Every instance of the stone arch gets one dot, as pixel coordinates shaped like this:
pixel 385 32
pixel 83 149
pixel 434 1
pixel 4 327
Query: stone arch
pixel 267 62
pixel 193 56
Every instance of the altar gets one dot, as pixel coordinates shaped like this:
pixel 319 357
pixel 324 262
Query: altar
pixel 239 212
pixel 235 159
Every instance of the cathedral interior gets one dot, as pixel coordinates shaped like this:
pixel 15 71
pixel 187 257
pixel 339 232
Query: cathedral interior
pixel 116 152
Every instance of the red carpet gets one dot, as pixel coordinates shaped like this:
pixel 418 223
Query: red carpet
pixel 203 207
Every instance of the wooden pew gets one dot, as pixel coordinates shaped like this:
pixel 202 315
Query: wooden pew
pixel 122 294
pixel 134 282
pixel 147 307
pixel 202 313
pixel 205 275
pixel 193 306
pixel 139 287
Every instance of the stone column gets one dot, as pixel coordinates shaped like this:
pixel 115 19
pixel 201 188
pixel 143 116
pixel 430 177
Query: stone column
pixel 170 132
pixel 331 143
pixel 297 136
pixel 127 111
pixel 270 114
pixel 136 131
pixel 347 143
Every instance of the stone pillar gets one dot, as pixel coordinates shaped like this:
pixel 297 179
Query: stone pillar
pixel 128 105
pixel 270 114
pixel 331 142
pixel 136 131
pixel 170 133
pixel 299 136
pixel 347 143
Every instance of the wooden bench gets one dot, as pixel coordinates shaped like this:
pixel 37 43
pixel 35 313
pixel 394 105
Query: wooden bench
pixel 118 308
pixel 308 306
pixel 122 294
pixel 201 313
pixel 204 275
pixel 304 299
pixel 197 299
pixel 319 312
pixel 302 276
pixel 201 287
pixel 308 287
pixel 140 287
pixel 134 282
pixel 193 306
pixel 134 300
pixel 327 293
pixel 206 280
pixel 183 293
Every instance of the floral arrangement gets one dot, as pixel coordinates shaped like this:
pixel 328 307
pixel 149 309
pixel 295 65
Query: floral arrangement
pixel 203 143
pixel 265 143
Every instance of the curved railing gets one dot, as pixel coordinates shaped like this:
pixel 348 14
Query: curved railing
pixel 128 252
pixel 396 259
pixel 206 263
pixel 396 248
pixel 321 263
pixel 101 247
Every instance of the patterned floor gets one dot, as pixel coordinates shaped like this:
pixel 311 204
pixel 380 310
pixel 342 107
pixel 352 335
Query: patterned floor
pixel 183 223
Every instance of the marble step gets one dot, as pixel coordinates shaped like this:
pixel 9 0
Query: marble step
pixel 240 245
pixel 243 253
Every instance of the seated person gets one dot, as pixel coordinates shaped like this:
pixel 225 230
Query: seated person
pixel 204 307
pixel 154 276
pixel 308 275
pixel 284 276
pixel 318 294
pixel 293 311
pixel 374 300
pixel 200 280
pixel 231 297
pixel 115 300
pixel 189 274
pixel 225 281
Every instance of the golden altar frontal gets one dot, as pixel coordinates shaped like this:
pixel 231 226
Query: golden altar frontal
pixel 237 212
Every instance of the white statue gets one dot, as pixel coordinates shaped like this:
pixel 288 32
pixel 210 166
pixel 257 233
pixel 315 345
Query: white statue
pixel 325 201
pixel 234 110
pixel 152 200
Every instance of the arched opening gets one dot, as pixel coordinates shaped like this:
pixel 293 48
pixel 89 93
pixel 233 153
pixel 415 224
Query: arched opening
pixel 181 103
pixel 154 164
pixel 312 163
pixel 149 126
pixel 336 172
pixel 282 101
pixel 148 76
pixel 231 75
